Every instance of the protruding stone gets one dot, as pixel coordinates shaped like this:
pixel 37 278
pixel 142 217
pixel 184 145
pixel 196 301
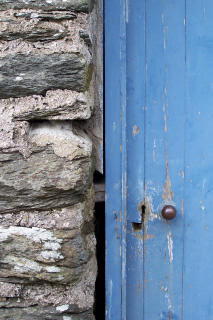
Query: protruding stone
pixel 85 37
pixel 78 216
pixel 24 75
pixel 44 35
pixel 35 254
pixel 40 312
pixel 53 176
pixel 55 105
pixel 47 16
pixel 77 298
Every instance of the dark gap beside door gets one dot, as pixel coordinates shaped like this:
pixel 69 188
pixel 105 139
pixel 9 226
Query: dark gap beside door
pixel 99 214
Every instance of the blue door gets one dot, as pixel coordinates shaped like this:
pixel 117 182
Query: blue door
pixel 159 157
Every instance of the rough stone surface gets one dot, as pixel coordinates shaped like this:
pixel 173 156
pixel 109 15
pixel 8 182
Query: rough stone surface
pixel 80 295
pixel 35 35
pixel 76 246
pixel 14 21
pixel 95 124
pixel 23 75
pixel 64 299
pixel 33 26
pixel 76 5
pixel 57 173
pixel 78 216
pixel 44 16
pixel 47 98
pixel 56 105
pixel 35 313
pixel 35 254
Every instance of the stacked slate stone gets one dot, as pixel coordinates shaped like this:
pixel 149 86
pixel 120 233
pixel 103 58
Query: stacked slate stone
pixel 47 244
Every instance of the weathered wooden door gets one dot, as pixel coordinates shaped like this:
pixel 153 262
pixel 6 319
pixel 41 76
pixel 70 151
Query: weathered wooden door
pixel 159 151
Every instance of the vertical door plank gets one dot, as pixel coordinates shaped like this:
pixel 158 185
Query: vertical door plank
pixel 115 130
pixel 198 248
pixel 135 155
pixel 164 158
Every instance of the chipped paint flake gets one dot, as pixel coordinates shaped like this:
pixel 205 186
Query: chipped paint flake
pixel 114 126
pixel 165 31
pixel 170 246
pixel 182 173
pixel 148 236
pixel 168 298
pixel 162 18
pixel 135 130
pixel 127 11
pixel 110 298
pixel 154 149
pixel 182 207
pixel 167 189
pixel 165 123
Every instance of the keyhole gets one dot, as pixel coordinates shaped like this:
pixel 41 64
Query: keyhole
pixel 143 211
pixel 138 226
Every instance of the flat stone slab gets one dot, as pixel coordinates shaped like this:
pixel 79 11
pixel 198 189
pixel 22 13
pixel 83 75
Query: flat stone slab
pixel 55 105
pixel 75 5
pixel 43 35
pixel 47 16
pixel 34 26
pixel 24 75
pixel 39 312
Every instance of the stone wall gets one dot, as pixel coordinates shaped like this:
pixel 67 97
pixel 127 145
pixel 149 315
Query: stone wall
pixel 47 160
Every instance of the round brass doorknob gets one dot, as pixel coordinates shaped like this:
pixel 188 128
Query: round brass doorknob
pixel 168 212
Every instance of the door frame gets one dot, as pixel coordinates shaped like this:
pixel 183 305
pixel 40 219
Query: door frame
pixel 115 157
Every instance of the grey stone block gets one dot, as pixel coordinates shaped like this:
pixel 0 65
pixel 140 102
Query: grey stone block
pixel 55 105
pixel 33 254
pixel 42 313
pixel 42 181
pixel 23 75
pixel 47 16
pixel 75 5
pixel 43 35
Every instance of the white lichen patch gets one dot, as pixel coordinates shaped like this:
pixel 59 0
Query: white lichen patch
pixel 52 245
pixel 24 265
pixel 67 318
pixel 49 245
pixel 53 269
pixel 62 308
pixel 51 255
pixel 37 235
